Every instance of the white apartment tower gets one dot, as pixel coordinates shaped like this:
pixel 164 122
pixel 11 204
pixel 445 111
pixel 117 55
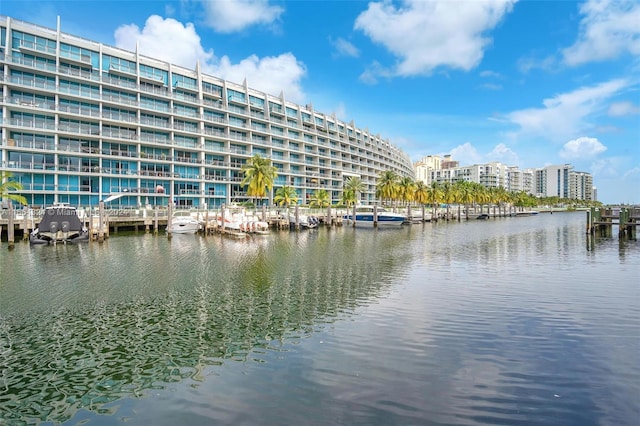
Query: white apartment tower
pixel 81 120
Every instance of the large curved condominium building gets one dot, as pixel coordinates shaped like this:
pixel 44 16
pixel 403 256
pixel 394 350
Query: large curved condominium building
pixel 83 121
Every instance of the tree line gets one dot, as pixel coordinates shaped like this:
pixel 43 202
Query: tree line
pixel 394 190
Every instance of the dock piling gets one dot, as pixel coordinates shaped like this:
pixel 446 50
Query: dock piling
pixel 10 229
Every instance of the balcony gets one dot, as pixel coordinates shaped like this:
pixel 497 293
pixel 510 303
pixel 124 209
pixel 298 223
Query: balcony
pixel 75 57
pixel 122 70
pixel 30 46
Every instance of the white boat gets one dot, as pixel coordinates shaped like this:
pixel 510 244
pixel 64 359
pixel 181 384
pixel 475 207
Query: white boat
pixel 365 217
pixel 183 223
pixel 237 219
pixel 527 213
pixel 303 220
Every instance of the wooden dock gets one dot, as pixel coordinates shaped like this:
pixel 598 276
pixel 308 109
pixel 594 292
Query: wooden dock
pixel 601 221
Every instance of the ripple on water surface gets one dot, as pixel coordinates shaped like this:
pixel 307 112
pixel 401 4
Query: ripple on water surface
pixel 513 321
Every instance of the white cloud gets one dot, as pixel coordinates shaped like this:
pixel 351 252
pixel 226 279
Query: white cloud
pixel 345 48
pixel 581 148
pixel 490 74
pixel 607 167
pixel 340 111
pixel 227 16
pixel 373 71
pixel 565 116
pixel 466 154
pixel 609 28
pixel 170 40
pixel 271 74
pixel 491 86
pixel 503 154
pixel 633 173
pixel 165 39
pixel 425 35
pixel 619 109
pixel 527 64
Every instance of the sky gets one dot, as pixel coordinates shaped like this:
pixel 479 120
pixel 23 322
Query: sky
pixel 526 83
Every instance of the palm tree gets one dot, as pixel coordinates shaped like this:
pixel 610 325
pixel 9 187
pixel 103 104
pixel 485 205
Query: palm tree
pixel 259 175
pixel 421 193
pixel 448 195
pixel 502 196
pixel 348 197
pixel 435 196
pixel 387 186
pixel 465 195
pixel 355 186
pixel 285 196
pixel 406 189
pixel 480 194
pixel 6 185
pixel 320 198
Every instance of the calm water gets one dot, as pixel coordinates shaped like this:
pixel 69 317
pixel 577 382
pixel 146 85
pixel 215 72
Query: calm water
pixel 508 321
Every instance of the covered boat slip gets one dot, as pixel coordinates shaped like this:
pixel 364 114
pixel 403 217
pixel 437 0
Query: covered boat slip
pixel 59 223
pixel 60 218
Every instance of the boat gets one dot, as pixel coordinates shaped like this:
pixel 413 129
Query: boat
pixel 527 213
pixel 183 223
pixel 365 217
pixel 236 219
pixel 482 216
pixel 60 223
pixel 302 217
pixel 304 221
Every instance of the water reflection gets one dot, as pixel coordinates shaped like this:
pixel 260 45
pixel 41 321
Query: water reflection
pixel 507 321
pixel 143 312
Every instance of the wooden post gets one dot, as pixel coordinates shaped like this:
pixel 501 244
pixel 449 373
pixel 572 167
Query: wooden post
pixel 101 222
pixel 25 223
pixel 155 221
pixel 10 229
pixel 623 218
pixel 296 215
pixel 90 226
pixel 375 215
pixel 329 219
pixel 170 215
pixel 222 217
pixel 354 216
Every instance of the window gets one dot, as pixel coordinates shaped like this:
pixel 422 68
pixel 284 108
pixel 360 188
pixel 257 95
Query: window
pixel 79 54
pixel 29 41
pixel 154 74
pixel 184 82
pixel 235 96
pixel 114 64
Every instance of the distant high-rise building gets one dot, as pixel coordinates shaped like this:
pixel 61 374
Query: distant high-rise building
pixel 581 186
pixel 424 166
pixel 551 181
pixel 449 163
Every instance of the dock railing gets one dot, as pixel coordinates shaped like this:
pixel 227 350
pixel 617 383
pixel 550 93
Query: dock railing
pixel 601 221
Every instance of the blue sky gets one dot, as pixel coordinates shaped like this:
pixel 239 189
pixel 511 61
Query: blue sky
pixel 526 83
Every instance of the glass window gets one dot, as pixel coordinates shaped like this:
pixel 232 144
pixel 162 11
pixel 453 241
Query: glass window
pixel 154 74
pixel 184 82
